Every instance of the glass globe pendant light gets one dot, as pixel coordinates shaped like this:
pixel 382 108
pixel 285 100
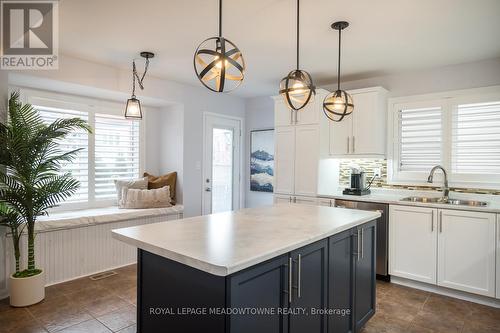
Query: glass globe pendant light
pixel 218 63
pixel 338 104
pixel 297 88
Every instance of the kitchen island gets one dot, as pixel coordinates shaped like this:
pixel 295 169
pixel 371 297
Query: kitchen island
pixel 283 268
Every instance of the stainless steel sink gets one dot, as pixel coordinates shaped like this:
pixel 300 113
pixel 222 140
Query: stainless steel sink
pixel 456 202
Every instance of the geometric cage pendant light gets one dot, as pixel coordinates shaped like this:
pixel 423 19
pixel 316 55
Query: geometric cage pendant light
pixel 218 63
pixel 338 104
pixel 297 88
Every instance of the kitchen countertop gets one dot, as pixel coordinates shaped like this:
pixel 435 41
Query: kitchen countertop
pixel 225 243
pixel 394 197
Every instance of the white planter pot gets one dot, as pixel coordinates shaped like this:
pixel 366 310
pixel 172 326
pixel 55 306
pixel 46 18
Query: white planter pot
pixel 27 291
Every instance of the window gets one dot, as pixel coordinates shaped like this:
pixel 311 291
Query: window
pixel 112 151
pixel 458 130
pixel 420 133
pixel 476 138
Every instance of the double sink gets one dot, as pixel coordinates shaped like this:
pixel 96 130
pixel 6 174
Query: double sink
pixel 446 201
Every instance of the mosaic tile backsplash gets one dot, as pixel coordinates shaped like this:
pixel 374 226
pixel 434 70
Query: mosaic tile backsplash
pixel 369 165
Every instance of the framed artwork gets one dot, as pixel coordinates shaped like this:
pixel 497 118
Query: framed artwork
pixel 262 160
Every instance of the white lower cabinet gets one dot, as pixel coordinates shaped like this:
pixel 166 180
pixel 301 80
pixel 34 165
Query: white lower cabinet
pixel 281 198
pixel 450 248
pixel 466 251
pixel 498 256
pixel 413 243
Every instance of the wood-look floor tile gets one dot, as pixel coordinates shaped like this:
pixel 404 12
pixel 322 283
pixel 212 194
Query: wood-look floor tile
pixel 89 326
pixel 383 323
pixel 485 314
pixel 61 318
pixel 120 318
pixel 479 327
pixel 18 320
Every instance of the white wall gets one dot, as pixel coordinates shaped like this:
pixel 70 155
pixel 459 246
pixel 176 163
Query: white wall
pixel 259 115
pixel 455 77
pixel 96 80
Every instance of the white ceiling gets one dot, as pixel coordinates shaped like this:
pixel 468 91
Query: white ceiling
pixel 385 36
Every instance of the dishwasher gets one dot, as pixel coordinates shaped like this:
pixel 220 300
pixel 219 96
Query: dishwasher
pixel 382 232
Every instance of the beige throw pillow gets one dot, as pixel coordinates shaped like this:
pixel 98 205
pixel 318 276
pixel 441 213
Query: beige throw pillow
pixel 141 183
pixel 135 198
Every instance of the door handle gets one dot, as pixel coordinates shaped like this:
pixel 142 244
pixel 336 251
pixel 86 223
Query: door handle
pixel 299 282
pixel 348 145
pixel 208 189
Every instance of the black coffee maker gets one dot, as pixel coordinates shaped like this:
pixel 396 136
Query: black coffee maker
pixel 358 183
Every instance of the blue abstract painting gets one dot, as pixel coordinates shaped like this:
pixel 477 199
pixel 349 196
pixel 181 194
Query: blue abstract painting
pixel 262 160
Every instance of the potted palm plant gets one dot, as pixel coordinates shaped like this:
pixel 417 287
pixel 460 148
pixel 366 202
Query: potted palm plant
pixel 31 182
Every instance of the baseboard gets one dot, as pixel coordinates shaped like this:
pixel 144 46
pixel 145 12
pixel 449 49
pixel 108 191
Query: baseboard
pixel 447 292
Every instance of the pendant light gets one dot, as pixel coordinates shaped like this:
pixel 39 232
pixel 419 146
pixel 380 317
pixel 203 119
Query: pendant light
pixel 218 63
pixel 297 88
pixel 338 104
pixel 133 109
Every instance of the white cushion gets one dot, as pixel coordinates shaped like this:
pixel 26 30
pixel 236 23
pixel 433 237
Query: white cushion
pixel 135 198
pixel 141 183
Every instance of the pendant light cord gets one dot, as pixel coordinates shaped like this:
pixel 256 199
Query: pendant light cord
pixel 135 76
pixel 338 68
pixel 298 21
pixel 220 18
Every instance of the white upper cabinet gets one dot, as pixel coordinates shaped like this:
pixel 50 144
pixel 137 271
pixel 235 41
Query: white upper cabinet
pixel 306 160
pixel 309 115
pixel 413 243
pixel 363 133
pixel 284 160
pixel 466 251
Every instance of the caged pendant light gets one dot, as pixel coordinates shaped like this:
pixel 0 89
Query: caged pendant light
pixel 218 63
pixel 338 104
pixel 297 88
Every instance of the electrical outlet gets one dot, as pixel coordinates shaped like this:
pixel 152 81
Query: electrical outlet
pixel 376 172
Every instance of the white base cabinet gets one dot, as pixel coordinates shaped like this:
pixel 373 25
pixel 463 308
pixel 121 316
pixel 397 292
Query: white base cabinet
pixel 448 248
pixel 280 198
pixel 413 243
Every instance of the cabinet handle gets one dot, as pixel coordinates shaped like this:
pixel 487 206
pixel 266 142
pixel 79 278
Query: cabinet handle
pixel 353 144
pixel 348 145
pixel 432 221
pixel 290 199
pixel 291 117
pixel 440 221
pixel 359 243
pixel 362 243
pixel 294 199
pixel 290 269
pixel 300 276
pixel 296 117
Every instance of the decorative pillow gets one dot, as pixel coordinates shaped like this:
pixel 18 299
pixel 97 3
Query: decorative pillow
pixel 141 183
pixel 166 180
pixel 135 198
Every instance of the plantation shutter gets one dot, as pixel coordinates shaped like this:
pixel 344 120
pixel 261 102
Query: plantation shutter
pixel 75 140
pixel 420 132
pixel 476 138
pixel 116 153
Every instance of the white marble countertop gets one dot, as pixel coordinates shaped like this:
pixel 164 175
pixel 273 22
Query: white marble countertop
pixel 394 197
pixel 225 243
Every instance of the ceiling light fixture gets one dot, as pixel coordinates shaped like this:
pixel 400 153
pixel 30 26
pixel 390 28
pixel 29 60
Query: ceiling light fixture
pixel 297 88
pixel 218 63
pixel 338 104
pixel 133 108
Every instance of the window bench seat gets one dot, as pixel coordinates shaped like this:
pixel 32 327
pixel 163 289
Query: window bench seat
pixel 88 217
pixel 69 245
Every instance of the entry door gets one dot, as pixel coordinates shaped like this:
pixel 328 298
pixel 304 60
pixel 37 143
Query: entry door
pixel 221 165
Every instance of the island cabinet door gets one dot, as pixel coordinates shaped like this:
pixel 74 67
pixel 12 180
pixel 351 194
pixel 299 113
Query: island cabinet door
pixel 262 288
pixel 365 274
pixel 340 282
pixel 309 283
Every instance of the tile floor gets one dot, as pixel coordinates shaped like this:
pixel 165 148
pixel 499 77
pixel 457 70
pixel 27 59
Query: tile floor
pixel 109 305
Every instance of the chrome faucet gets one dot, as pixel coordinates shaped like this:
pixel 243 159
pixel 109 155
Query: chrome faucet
pixel 446 188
